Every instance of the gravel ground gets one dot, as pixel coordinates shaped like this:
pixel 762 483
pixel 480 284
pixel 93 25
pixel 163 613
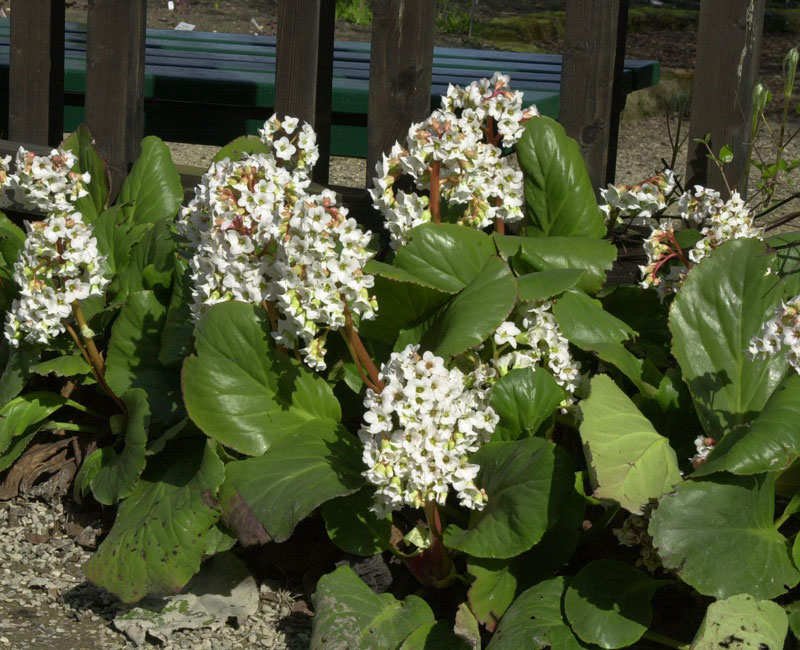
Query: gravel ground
pixel 46 603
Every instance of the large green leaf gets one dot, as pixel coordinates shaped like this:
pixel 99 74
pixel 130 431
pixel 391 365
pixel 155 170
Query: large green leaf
pixel 152 260
pixel 176 336
pixel 710 530
pixel 445 256
pixel 348 614
pixel 68 365
pixel 586 324
pixel 524 399
pixel 434 636
pixel 594 256
pixel 542 285
pixel 112 233
pixel 153 184
pixel 118 473
pixel 81 144
pixel 527 482
pixel 402 305
pixel 158 538
pixel 316 462
pixel 608 603
pixel 535 622
pixel 12 240
pixel 133 356
pixel 240 391
pixel 772 442
pixel 742 623
pixel 721 306
pixel 492 591
pixel 21 419
pixel 475 313
pixel 17 370
pixel 559 197
pixel 353 527
pixel 629 462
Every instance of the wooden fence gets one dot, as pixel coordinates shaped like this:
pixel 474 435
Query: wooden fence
pixel 400 76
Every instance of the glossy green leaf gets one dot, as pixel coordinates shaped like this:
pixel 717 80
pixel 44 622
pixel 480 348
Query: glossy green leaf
pixel 118 474
pixel 348 614
pixel 475 313
pixel 733 516
pixel 721 306
pixel 542 285
pixel 82 144
pixel 89 468
pixel 629 462
pixel 112 232
pixel 17 370
pixel 492 591
pixel 240 147
pixel 21 419
pixel 151 263
pixel 608 603
pixel 445 256
pixel 742 623
pixel 153 185
pixel 240 391
pixel 12 240
pixel 176 336
pixel 402 305
pixel 158 538
pixel 594 256
pixel 133 356
pixel 772 442
pixel 527 482
pixel 353 527
pixel 318 461
pixel 793 614
pixel 65 366
pixel 434 636
pixel 523 400
pixel 559 197
pixel 535 621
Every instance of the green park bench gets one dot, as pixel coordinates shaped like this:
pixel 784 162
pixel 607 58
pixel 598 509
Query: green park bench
pixel 209 88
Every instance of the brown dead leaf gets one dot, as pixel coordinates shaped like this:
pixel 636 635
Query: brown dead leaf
pixel 39 460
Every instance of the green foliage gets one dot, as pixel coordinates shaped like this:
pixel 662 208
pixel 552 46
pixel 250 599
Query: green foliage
pixel 354 11
pixel 754 624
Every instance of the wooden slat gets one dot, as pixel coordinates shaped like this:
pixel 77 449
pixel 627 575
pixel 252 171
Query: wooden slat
pixel 400 72
pixel 592 92
pixel 304 73
pixel 115 82
pixel 728 53
pixel 36 75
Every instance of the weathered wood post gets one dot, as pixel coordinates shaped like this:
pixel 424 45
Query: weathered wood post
pixel 115 82
pixel 36 74
pixel 304 74
pixel 728 53
pixel 400 73
pixel 592 95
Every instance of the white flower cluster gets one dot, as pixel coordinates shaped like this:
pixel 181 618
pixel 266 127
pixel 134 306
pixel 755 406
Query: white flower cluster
pixel 293 148
pixel 4 180
pixel 317 275
pixel 661 249
pixel 644 200
pixel 58 265
pixel 781 332
pixel 47 183
pixel 727 221
pixel 454 155
pixel 492 105
pixel 259 238
pixel 541 343
pixel 704 446
pixel 419 432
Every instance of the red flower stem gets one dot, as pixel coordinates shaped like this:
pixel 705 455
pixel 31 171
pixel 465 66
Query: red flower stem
pixel 434 170
pixel 361 355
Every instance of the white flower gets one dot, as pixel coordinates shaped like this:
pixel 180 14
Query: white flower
pixel 780 333
pixel 46 183
pixel 419 432
pixel 58 265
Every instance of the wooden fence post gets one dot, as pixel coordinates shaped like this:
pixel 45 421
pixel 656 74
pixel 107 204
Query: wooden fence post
pixel 36 74
pixel 304 74
pixel 400 72
pixel 115 82
pixel 592 95
pixel 728 53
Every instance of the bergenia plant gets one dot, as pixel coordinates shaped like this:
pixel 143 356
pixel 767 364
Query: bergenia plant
pixel 535 458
